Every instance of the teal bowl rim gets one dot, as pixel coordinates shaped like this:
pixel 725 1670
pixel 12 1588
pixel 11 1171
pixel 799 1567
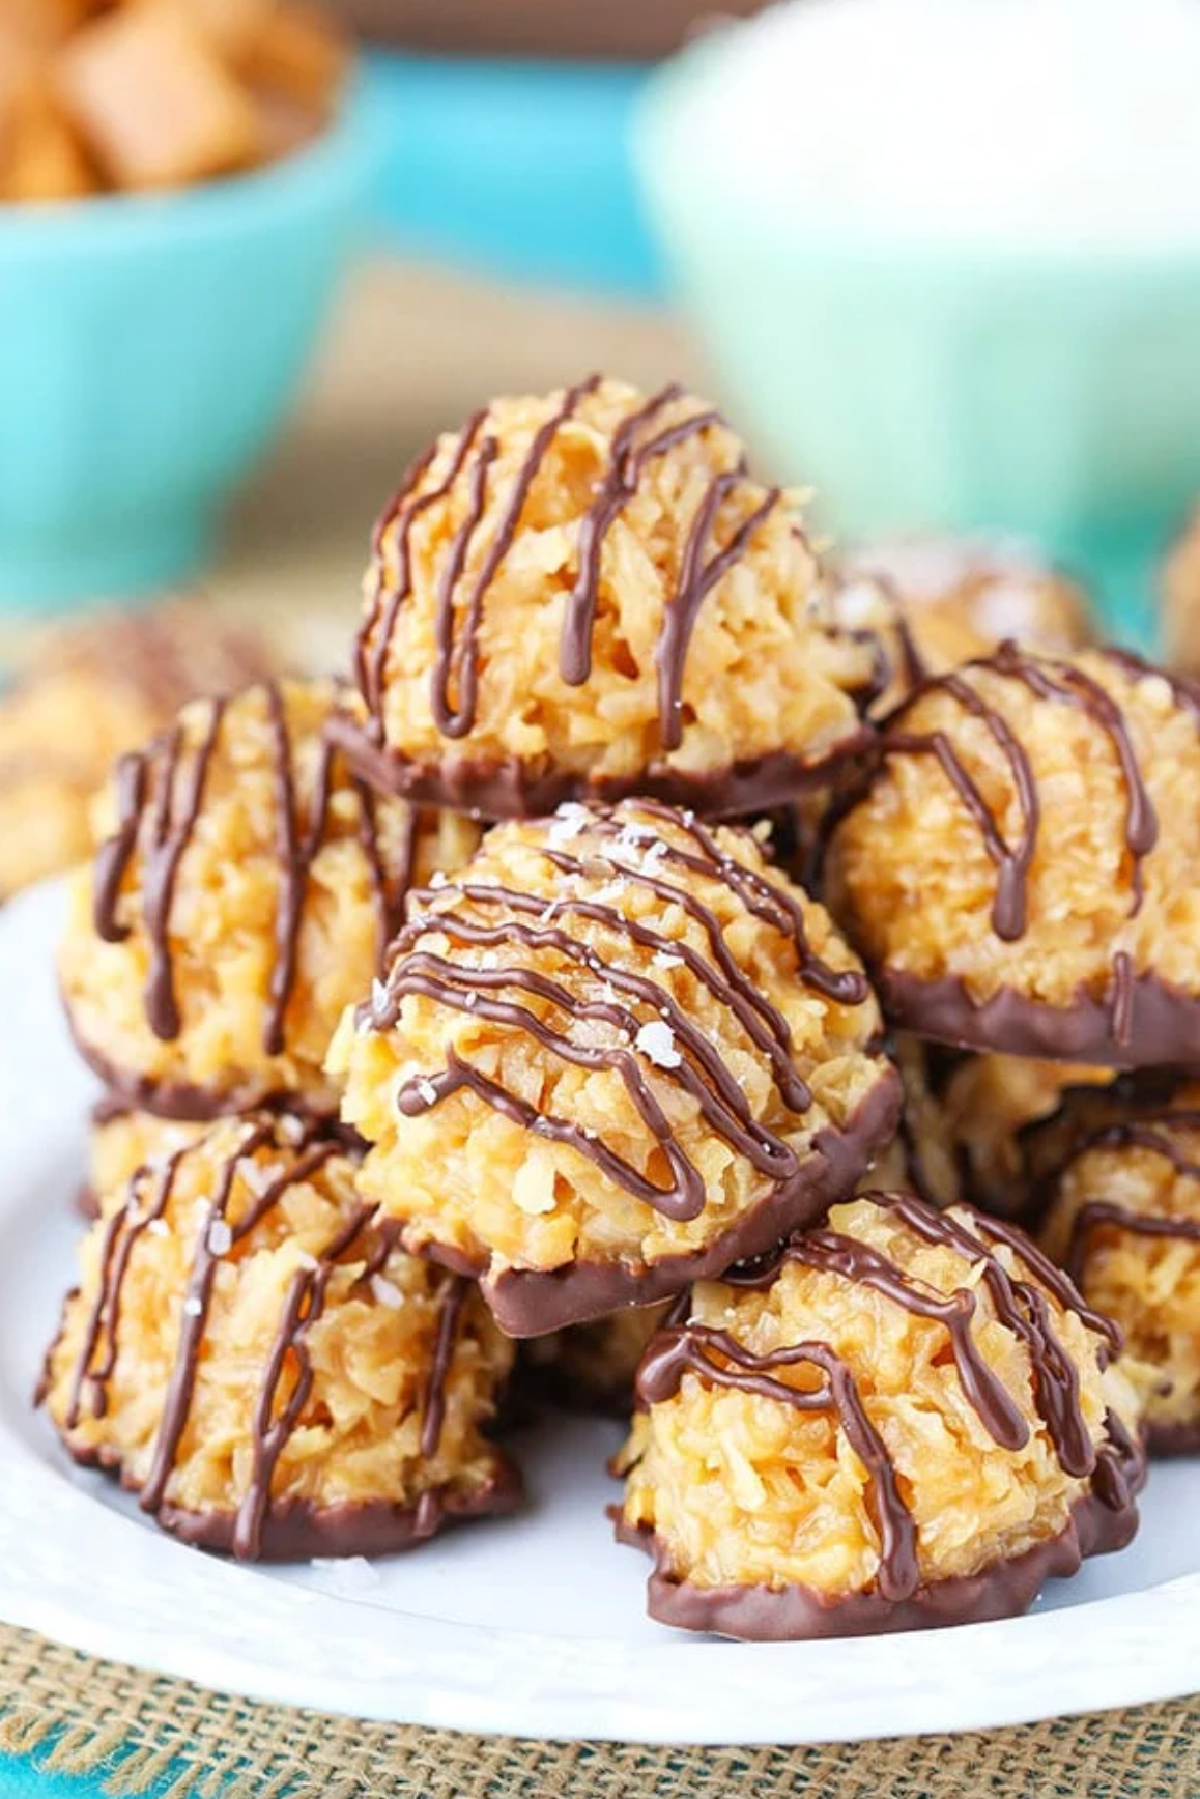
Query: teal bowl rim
pixel 119 223
pixel 681 186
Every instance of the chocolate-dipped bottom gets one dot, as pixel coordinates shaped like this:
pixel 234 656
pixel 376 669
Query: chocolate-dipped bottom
pixel 251 1352
pixel 1006 1451
pixel 512 789
pixel 618 1052
pixel 1006 1589
pixel 299 1531
pixel 528 1302
pixel 1011 868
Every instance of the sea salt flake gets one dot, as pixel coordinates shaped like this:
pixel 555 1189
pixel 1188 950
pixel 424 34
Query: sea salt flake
pixel 386 1293
pixel 570 819
pixel 664 958
pixel 193 1305
pixel 220 1237
pixel 613 891
pixel 428 1092
pixel 158 1227
pixel 656 1041
pixel 379 994
pixel 438 878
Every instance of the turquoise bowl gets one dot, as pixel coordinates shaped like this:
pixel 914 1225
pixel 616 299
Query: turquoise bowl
pixel 149 348
pixel 1048 391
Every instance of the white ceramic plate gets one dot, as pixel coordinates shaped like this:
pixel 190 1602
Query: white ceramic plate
pixel 534 1626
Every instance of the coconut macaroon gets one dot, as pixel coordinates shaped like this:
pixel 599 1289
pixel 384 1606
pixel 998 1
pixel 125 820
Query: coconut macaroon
pixel 937 602
pixel 584 595
pixel 905 1418
pixel 242 895
pixel 254 1355
pixel 91 692
pixel 965 1122
pixel 1022 871
pixel 1120 1185
pixel 590 1367
pixel 618 1052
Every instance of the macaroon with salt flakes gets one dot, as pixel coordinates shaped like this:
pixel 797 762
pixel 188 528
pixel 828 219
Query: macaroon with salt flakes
pixel 616 1051
pixel 252 1352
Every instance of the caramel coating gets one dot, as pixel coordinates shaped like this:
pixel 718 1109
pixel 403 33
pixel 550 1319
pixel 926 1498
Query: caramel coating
pixel 587 593
pixel 1121 1186
pixel 1031 838
pixel 590 1367
pixel 93 691
pixel 939 602
pixel 253 1353
pixel 974 1465
pixel 231 990
pixel 613 1039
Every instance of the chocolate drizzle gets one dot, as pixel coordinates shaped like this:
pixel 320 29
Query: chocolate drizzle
pixel 1052 681
pixel 458 621
pixel 306 1148
pixel 1148 1133
pixel 160 799
pixel 1020 1305
pixel 679 1349
pixel 640 857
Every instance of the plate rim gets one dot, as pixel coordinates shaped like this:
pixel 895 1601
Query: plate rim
pixel 103 1583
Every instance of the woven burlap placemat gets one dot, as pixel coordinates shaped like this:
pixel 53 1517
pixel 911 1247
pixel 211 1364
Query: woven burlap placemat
pixel 136 1734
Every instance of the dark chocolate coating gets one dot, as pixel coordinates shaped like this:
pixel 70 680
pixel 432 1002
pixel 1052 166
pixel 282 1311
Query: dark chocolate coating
pixel 1142 1021
pixel 188 1104
pixel 531 1302
pixel 1163 1440
pixel 497 790
pixel 297 1531
pixel 765 1614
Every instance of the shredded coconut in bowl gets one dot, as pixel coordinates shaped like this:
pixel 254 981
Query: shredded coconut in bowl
pixel 1053 121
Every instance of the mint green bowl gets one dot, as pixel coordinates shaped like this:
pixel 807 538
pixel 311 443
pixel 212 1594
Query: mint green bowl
pixel 149 349
pixel 1049 391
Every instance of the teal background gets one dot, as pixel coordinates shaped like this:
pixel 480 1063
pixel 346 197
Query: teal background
pixel 1050 391
pixel 517 169
pixel 149 348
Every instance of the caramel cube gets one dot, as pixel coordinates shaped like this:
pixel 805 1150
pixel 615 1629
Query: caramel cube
pixel 40 156
pixel 153 101
pixel 40 24
pixel 300 56
pixel 232 27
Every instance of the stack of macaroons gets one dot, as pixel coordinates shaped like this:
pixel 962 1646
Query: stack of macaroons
pixel 470 1009
pixel 1019 871
pixel 249 1347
